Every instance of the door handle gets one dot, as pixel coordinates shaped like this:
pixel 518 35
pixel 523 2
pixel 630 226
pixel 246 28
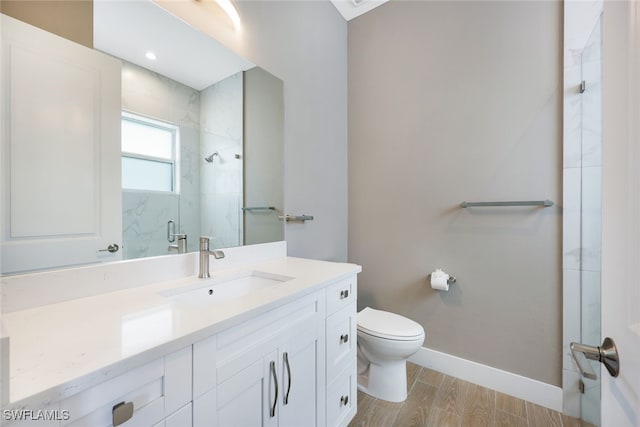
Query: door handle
pixel 607 354
pixel 111 248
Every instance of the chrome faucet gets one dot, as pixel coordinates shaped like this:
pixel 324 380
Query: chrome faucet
pixel 204 257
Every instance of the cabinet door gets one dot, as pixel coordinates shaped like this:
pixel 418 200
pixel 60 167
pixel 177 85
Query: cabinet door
pixel 249 398
pixel 299 361
pixel 60 155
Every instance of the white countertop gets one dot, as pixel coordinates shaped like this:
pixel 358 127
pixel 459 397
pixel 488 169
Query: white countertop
pixel 59 349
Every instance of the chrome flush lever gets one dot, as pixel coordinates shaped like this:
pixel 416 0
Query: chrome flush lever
pixel 607 354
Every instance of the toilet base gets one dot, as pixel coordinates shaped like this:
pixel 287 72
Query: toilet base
pixel 388 382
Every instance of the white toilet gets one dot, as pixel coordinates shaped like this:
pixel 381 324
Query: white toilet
pixel 385 342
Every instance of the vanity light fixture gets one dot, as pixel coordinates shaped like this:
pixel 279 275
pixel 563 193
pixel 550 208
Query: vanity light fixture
pixel 150 55
pixel 230 10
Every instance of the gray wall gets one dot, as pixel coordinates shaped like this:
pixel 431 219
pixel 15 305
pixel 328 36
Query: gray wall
pixel 304 43
pixel 71 19
pixel 453 101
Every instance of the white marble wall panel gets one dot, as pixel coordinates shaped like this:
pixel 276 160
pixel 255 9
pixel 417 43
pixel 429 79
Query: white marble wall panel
pixel 590 400
pixel 591 308
pixel 572 120
pixel 148 93
pixel 591 218
pixel 220 107
pixel 144 223
pixel 571 330
pixel 592 100
pixel 571 214
pixel 571 397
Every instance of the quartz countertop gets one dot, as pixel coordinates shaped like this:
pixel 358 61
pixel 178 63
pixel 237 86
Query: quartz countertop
pixel 59 349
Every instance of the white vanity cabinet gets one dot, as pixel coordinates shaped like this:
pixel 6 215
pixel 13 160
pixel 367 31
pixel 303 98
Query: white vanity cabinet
pixel 292 365
pixel 154 392
pixel 341 349
pixel 267 369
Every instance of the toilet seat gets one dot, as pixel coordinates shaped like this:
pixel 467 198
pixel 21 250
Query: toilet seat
pixel 391 326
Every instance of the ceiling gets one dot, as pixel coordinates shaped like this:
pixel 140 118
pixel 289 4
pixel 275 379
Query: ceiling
pixel 353 8
pixel 129 29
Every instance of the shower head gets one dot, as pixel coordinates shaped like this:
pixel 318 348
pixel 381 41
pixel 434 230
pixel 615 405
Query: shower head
pixel 209 159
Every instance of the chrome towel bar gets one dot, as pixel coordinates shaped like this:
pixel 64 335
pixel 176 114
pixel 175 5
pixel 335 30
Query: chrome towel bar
pixel 295 218
pixel 259 208
pixel 543 203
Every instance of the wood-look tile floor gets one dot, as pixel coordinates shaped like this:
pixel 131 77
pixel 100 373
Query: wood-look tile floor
pixel 438 400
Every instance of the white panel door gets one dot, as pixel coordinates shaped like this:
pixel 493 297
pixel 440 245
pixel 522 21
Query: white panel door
pixel 621 209
pixel 61 198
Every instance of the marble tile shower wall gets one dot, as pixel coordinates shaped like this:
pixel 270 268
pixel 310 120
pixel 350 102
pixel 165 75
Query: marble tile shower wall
pixel 582 198
pixel 221 183
pixel 145 214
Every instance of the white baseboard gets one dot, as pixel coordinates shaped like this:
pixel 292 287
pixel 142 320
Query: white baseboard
pixel 505 382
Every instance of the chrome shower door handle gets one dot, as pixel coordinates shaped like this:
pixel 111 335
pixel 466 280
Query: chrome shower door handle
pixel 607 354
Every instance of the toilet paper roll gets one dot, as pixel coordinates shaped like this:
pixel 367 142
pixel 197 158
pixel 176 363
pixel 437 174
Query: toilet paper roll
pixel 440 280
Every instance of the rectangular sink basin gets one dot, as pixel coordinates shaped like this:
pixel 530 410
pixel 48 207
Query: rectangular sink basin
pixel 205 292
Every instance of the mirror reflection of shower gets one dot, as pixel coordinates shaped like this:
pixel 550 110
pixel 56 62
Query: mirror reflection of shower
pixel 209 159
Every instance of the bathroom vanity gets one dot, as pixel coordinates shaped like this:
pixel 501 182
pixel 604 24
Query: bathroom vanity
pixel 268 340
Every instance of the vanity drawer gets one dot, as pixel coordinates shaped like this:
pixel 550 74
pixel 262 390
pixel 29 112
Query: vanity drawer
pixel 341 398
pixel 341 294
pixel 182 418
pixel 341 340
pixel 155 390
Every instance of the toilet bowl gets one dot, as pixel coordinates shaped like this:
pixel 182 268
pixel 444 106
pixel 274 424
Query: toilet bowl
pixel 385 342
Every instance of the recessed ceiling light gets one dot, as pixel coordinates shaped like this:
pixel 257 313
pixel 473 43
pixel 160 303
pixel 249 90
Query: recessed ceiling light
pixel 150 55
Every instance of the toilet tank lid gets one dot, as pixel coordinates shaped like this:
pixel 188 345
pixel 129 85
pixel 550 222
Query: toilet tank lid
pixel 383 323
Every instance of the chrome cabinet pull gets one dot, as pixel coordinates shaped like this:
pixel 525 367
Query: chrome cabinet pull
pixel 344 294
pixel 344 338
pixel 286 361
pixel 344 400
pixel 111 248
pixel 275 381
pixel 121 413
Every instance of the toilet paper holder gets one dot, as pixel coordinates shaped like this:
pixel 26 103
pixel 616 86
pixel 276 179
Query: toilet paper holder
pixel 450 281
pixel 438 280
